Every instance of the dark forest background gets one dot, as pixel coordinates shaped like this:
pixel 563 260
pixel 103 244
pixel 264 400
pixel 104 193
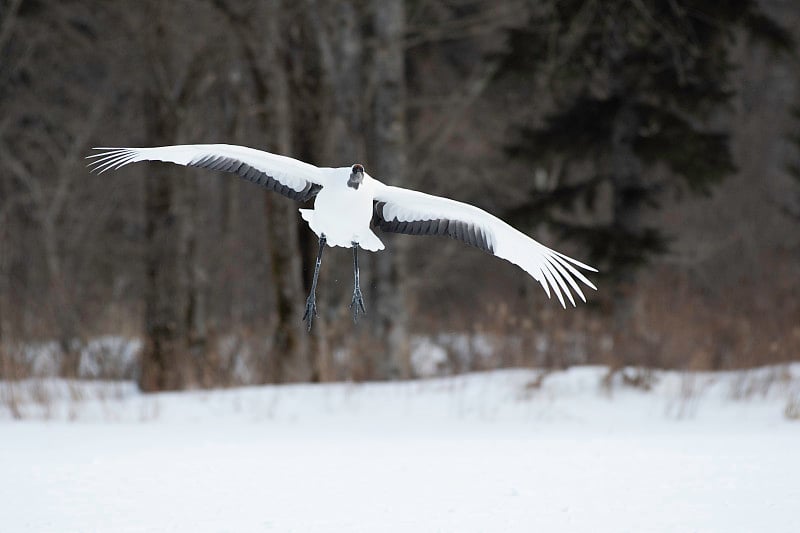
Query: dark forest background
pixel 658 141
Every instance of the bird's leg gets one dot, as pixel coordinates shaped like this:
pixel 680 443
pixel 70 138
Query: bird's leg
pixel 311 301
pixel 358 300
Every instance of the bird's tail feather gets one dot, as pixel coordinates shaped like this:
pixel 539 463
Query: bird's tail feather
pixel 370 241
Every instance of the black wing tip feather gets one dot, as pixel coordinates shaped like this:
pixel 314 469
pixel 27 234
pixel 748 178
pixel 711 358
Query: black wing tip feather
pixel 559 273
pixel 254 175
pixel 465 232
pixel 114 158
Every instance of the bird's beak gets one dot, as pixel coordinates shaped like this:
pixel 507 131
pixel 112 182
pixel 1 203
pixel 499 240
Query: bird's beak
pixel 356 178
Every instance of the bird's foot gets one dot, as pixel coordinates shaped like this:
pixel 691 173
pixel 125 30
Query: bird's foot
pixel 311 310
pixel 357 303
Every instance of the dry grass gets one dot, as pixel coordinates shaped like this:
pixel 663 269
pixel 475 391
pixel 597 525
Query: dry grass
pixel 792 409
pixel 680 321
pixel 9 398
pixel 760 382
pixel 685 326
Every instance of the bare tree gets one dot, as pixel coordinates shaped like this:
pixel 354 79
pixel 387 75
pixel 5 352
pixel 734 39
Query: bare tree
pixel 266 61
pixel 44 158
pixel 4 252
pixel 164 357
pixel 387 156
pixel 290 357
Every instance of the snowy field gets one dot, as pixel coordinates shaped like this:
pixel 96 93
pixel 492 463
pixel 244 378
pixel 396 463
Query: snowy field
pixel 493 452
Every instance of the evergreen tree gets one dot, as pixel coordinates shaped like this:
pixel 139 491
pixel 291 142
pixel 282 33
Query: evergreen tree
pixel 634 86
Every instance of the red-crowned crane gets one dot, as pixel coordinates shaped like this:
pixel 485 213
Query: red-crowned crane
pixel 347 200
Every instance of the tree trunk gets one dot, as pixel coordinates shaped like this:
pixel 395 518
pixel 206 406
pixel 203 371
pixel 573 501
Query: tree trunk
pixel 268 67
pixel 228 310
pixel 339 104
pixel 627 173
pixel 164 357
pixel 195 282
pixel 290 359
pixel 164 351
pixel 62 301
pixel 5 250
pixel 388 160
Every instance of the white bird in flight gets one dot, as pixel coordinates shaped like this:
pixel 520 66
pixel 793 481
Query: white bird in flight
pixel 348 199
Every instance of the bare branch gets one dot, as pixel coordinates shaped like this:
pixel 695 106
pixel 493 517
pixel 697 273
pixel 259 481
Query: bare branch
pixel 475 87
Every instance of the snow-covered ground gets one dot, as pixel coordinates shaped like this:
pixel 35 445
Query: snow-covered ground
pixel 495 452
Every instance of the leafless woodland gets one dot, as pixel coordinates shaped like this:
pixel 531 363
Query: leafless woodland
pixel 211 272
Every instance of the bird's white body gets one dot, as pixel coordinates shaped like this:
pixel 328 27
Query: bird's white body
pixel 348 201
pixel 343 213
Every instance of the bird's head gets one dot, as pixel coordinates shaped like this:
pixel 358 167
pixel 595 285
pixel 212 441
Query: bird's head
pixel 356 176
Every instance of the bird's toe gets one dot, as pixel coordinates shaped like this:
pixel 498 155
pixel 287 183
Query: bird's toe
pixel 311 311
pixel 357 303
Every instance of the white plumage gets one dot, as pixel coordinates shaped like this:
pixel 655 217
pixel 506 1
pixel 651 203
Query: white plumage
pixel 347 200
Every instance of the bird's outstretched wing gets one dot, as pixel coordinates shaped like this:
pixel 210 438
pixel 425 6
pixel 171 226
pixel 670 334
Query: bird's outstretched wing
pixel 405 211
pixel 289 177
